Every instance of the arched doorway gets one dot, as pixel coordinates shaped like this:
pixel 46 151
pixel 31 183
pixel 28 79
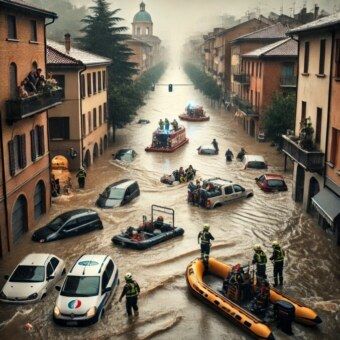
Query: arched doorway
pixel 95 151
pixel 39 200
pixel 300 183
pixel 59 163
pixel 87 159
pixel 252 128
pixel 101 146
pixel 105 142
pixel 19 218
pixel 314 188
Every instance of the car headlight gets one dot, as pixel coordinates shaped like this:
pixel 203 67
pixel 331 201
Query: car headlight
pixel 3 295
pixel 33 296
pixel 91 312
pixel 56 311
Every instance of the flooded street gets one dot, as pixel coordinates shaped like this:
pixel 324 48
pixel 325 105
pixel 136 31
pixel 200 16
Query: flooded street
pixel 167 310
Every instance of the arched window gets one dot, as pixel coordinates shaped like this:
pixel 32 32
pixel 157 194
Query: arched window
pixel 19 218
pixel 39 200
pixel 147 31
pixel 13 85
pixel 138 30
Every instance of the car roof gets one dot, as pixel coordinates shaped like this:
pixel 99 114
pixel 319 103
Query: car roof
pixel 219 181
pixel 253 158
pixel 207 147
pixel 77 213
pixel 89 265
pixel 124 150
pixel 273 176
pixel 35 259
pixel 124 183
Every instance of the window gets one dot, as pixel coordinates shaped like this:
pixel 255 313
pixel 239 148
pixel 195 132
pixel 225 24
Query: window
pixel 100 84
pixel 89 122
pixel 104 80
pixel 260 70
pixel 335 147
pixel 100 115
pixel 303 111
pixel 94 118
pixel 306 60
pixel 11 27
pixel 54 262
pixel 147 31
pixel 337 58
pixel 256 69
pixel 105 281
pixel 49 270
pixel 237 188
pixel 13 85
pixel 251 97
pixel 82 86
pixel 138 30
pixel 89 90
pixel 109 269
pixel 94 79
pixel 252 68
pixel 105 112
pixel 59 127
pixel 318 125
pixel 17 153
pixel 71 225
pixel 83 125
pixel 34 35
pixel 60 78
pixel 322 56
pixel 228 190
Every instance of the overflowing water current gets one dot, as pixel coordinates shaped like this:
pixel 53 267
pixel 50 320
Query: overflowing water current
pixel 167 309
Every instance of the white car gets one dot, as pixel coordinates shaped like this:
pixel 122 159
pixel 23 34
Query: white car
pixel 223 191
pixel 32 278
pixel 254 162
pixel 207 150
pixel 86 292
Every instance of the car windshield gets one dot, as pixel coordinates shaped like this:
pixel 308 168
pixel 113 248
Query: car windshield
pixel 114 193
pixel 275 183
pixel 28 274
pixel 81 286
pixel 56 223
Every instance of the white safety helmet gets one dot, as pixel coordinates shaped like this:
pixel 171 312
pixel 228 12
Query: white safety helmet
pixel 257 247
pixel 206 227
pixel 128 276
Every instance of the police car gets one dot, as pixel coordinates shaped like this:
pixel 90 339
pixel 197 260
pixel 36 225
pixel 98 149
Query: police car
pixel 86 292
pixel 32 278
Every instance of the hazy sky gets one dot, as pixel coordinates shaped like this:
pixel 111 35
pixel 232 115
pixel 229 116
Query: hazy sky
pixel 175 20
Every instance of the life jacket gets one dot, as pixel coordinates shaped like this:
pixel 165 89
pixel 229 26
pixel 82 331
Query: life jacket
pixel 81 174
pixel 205 239
pixel 279 254
pixel 260 257
pixel 132 289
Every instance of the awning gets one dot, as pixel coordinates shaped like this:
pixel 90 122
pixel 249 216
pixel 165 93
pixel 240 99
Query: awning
pixel 327 204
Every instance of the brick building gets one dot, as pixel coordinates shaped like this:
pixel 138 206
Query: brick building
pixel 80 123
pixel 267 70
pixel 317 167
pixel 25 166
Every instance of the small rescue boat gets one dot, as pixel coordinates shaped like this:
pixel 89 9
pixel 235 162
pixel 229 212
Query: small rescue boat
pixel 151 232
pixel 168 140
pixel 194 113
pixel 175 178
pixel 195 275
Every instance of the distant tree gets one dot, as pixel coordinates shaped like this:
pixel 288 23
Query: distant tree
pixel 280 116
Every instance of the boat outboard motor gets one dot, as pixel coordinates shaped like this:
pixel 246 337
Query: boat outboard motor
pixel 285 313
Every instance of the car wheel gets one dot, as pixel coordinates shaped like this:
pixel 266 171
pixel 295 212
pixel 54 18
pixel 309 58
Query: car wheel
pixel 250 195
pixel 217 205
pixel 63 272
pixel 100 226
pixel 43 296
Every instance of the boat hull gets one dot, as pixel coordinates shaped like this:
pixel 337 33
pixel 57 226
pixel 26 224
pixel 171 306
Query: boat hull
pixel 193 119
pixel 167 150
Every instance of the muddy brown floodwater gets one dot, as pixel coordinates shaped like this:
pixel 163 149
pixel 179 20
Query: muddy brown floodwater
pixel 167 310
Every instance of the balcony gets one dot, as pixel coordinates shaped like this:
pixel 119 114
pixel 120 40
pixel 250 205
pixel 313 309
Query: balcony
pixel 288 81
pixel 244 106
pixel 310 160
pixel 26 107
pixel 242 78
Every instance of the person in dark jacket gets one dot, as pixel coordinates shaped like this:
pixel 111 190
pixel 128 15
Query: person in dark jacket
pixel 277 258
pixel 131 290
pixel 241 154
pixel 81 175
pixel 260 259
pixel 205 238
pixel 229 155
pixel 215 145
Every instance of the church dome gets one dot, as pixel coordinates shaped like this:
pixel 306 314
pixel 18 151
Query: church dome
pixel 142 15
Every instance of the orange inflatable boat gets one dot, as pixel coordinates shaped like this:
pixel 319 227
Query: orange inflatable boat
pixel 233 311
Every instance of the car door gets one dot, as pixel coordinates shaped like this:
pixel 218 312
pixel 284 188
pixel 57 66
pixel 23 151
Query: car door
pixel 238 191
pixel 228 193
pixel 107 281
pixel 49 273
pixel 70 228
pixel 127 196
pixel 57 268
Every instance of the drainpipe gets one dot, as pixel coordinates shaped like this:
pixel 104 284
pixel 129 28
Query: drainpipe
pixel 4 184
pixel 81 117
pixel 329 106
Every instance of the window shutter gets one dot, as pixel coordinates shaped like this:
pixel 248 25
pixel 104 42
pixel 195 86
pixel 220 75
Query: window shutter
pixel 41 141
pixel 33 153
pixel 11 157
pixel 22 152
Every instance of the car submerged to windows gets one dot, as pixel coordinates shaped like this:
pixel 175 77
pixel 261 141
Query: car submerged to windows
pixel 207 150
pixel 254 162
pixel 119 193
pixel 33 277
pixel 271 183
pixel 125 155
pixel 71 223
pixel 87 291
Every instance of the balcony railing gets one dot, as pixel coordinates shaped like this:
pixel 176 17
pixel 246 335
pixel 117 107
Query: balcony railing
pixel 244 105
pixel 288 81
pixel 243 79
pixel 25 107
pixel 310 160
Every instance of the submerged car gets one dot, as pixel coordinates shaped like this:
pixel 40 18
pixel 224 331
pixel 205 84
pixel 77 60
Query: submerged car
pixel 271 183
pixel 71 223
pixel 87 291
pixel 119 193
pixel 125 155
pixel 207 150
pixel 254 162
pixel 33 277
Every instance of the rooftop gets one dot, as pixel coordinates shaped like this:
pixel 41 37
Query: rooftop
pixel 25 7
pixel 142 15
pixel 283 48
pixel 57 55
pixel 273 32
pixel 330 20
